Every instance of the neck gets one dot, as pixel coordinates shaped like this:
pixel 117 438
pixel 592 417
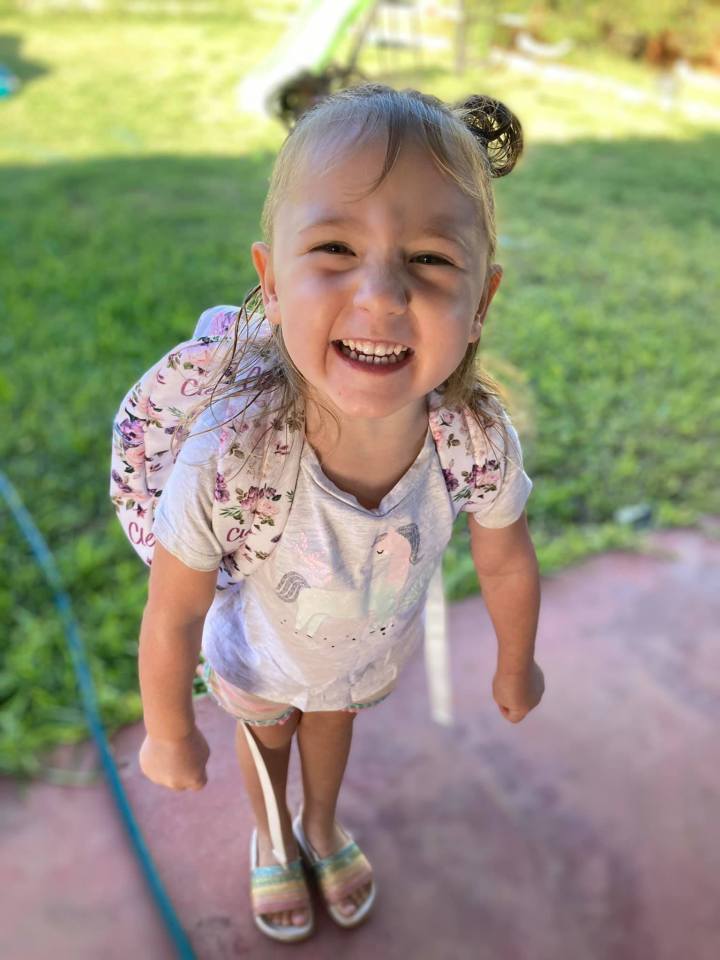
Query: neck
pixel 369 457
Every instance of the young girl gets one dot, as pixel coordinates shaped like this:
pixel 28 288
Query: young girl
pixel 376 275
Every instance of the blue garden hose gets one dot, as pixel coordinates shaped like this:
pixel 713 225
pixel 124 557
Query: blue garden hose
pixel 87 693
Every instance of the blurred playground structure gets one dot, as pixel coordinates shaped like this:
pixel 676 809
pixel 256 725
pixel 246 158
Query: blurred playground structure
pixel 303 65
pixel 319 51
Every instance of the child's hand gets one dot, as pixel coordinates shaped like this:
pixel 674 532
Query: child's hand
pixel 177 764
pixel 517 693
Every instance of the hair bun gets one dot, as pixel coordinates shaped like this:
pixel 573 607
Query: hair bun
pixel 497 128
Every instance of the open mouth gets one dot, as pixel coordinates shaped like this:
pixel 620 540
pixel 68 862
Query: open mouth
pixel 372 362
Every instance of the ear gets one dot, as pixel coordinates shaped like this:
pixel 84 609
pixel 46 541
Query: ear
pixel 495 275
pixel 262 261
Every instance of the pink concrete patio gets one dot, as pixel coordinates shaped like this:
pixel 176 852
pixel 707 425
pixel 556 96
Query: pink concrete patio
pixel 587 832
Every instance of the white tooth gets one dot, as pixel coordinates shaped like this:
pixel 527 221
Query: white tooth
pixel 374 350
pixel 353 355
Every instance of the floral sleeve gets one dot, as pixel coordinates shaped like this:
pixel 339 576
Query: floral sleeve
pixel 501 486
pixel 183 519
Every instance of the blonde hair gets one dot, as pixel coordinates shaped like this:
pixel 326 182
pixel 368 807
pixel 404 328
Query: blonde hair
pixel 472 142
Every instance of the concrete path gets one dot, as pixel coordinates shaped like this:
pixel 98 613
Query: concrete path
pixel 587 832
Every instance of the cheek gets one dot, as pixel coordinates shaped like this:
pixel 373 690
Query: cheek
pixel 306 341
pixel 454 299
pixel 310 278
pixel 457 325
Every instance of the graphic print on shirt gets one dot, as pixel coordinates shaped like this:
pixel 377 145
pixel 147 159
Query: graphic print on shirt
pixel 392 554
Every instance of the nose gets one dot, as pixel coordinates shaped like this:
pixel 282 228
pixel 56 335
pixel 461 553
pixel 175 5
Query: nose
pixel 381 290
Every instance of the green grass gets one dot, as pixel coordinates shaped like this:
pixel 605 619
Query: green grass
pixel 130 191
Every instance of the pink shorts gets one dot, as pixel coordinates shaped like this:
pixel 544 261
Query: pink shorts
pixel 257 711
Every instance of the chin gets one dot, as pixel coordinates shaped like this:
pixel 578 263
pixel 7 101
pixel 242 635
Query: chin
pixel 373 410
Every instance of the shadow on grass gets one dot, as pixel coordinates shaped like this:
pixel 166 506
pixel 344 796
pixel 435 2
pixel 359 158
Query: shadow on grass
pixel 606 308
pixel 12 57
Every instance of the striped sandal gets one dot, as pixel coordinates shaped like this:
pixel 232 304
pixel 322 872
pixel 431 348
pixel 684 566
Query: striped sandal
pixel 338 875
pixel 276 888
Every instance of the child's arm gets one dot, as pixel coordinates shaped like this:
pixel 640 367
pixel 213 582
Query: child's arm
pixel 507 570
pixel 174 753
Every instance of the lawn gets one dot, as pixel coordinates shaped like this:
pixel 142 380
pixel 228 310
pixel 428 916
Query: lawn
pixel 131 188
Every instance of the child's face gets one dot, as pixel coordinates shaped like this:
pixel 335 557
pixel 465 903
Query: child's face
pixel 386 271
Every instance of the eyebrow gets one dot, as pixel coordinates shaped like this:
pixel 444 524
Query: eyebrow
pixel 441 226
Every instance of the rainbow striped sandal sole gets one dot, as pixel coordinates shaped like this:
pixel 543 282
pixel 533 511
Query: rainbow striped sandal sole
pixel 338 875
pixel 276 888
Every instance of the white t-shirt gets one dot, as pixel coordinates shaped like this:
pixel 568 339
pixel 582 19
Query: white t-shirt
pixel 336 610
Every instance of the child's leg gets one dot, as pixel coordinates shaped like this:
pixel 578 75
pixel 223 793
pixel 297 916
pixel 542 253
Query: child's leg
pixel 274 742
pixel 324 740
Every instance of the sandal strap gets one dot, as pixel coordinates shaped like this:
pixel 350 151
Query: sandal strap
pixel 342 872
pixel 275 888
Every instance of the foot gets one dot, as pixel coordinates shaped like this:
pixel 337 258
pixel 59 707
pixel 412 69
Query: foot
pixel 326 840
pixel 266 858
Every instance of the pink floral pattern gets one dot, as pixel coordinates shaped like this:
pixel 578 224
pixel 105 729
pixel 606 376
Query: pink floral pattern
pixel 221 491
pixel 253 491
pixel 469 478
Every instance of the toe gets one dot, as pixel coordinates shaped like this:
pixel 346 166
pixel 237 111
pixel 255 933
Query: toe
pixel 287 918
pixel 362 894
